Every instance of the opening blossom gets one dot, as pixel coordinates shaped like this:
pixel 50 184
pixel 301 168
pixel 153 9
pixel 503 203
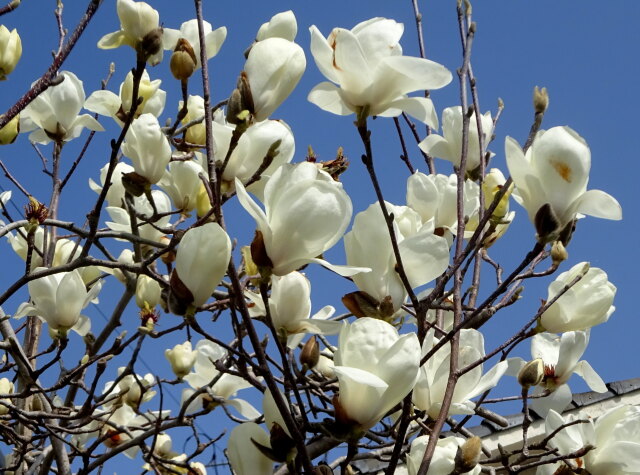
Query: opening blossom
pixel 586 304
pixel 424 255
pixel 449 146
pixel 117 106
pixel 430 388
pixel 369 74
pixel 376 368
pixel 561 357
pixel 139 28
pixel 551 181
pixel 306 213
pixel 58 300
pixel 53 115
pixel 444 456
pixel 614 436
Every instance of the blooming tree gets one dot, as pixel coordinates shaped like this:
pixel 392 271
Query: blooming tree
pixel 301 386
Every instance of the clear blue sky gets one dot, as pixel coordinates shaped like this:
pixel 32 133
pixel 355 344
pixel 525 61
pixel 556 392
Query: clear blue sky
pixel 585 53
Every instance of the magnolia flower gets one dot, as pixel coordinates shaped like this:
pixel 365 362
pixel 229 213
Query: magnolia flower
pixel 58 300
pixel 148 292
pixel 306 213
pixel 430 388
pixel 6 387
pixel 139 28
pixel 125 417
pixel 122 221
pixel 373 76
pixel 10 51
pixel 147 147
pixel 55 112
pixel 281 25
pixel 290 307
pixel 586 304
pixel 182 183
pixel 444 457
pixel 449 147
pixel 561 355
pixel 202 260
pixel 189 31
pixel 501 218
pixel 551 181
pixel 245 458
pixel 253 147
pixel 273 68
pixel 376 369
pixel 614 436
pixel 130 390
pixel 424 255
pixel 435 197
pixel 182 358
pixel 225 387
pixel 118 106
pixel 116 192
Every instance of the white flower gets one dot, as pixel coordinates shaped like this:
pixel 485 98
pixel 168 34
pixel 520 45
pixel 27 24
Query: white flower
pixel 126 417
pixel 373 75
pixel 10 51
pixel 148 292
pixel 182 183
pixel 115 195
pixel 189 31
pixel 430 388
pixel 122 222
pixel 290 307
pixel 584 305
pixel 561 356
pixel 118 106
pixel 182 358
pixel 424 255
pixel 444 457
pixel 551 181
pixel 58 299
pixel 614 436
pixel 147 147
pixel 281 25
pixel 202 260
pixel 139 27
pixel 226 386
pixel 252 148
pixel 273 68
pixel 6 387
pixel 245 458
pixel 306 213
pixel 449 147
pixel 131 390
pixel 376 369
pixel 55 112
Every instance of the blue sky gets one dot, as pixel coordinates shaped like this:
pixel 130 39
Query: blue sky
pixel 585 54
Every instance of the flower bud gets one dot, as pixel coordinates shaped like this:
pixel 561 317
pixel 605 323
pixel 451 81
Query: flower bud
pixel 468 455
pixel 147 292
pixel 10 131
pixel 310 354
pixel 540 100
pixel 531 373
pixel 558 253
pixel 10 51
pixel 182 358
pixel 183 60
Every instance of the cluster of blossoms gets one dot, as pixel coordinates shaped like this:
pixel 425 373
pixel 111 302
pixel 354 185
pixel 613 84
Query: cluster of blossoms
pixel 161 177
